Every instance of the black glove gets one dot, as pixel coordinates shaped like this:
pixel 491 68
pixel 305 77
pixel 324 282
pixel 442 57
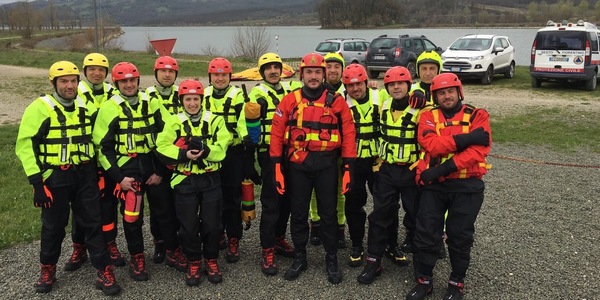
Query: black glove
pixel 42 197
pixel 251 173
pixel 475 137
pixel 417 100
pixel 432 174
pixel 196 143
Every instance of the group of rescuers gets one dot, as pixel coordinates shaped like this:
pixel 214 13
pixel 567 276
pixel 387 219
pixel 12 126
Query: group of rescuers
pixel 320 143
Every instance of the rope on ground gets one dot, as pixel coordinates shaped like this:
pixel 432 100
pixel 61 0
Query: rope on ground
pixel 540 162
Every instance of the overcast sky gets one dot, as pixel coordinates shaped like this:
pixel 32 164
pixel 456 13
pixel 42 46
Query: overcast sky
pixel 6 1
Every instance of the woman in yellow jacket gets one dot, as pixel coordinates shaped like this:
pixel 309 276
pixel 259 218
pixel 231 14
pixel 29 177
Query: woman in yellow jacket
pixel 194 143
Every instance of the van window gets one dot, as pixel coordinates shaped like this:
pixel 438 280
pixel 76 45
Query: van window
pixel 561 40
pixel 594 42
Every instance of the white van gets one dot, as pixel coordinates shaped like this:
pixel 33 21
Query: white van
pixel 566 51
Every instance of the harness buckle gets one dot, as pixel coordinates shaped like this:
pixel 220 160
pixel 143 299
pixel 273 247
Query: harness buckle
pixel 65 167
pixel 132 155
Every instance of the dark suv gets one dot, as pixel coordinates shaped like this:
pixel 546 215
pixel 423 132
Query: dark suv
pixel 386 52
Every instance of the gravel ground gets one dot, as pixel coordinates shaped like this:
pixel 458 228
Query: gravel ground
pixel 536 237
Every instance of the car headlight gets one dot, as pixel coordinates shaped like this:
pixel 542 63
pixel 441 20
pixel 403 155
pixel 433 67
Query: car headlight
pixel 444 57
pixel 478 57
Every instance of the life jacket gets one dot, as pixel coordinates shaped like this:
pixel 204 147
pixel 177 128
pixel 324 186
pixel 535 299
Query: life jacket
pixel 267 121
pixel 312 127
pixel 230 113
pixel 477 170
pixel 398 141
pixel 136 133
pixel 171 103
pixel 203 130
pixel 84 90
pixel 69 138
pixel 366 124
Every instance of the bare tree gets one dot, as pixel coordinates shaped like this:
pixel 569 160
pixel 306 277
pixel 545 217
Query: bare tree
pixel 210 50
pixel 24 19
pixel 250 42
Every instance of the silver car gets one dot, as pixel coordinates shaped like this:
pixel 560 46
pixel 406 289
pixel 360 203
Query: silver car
pixel 353 50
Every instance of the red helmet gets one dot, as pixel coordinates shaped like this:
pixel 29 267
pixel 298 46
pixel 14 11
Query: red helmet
pixel 190 87
pixel 219 65
pixel 446 80
pixel 397 74
pixel 312 60
pixel 354 73
pixel 166 62
pixel 124 70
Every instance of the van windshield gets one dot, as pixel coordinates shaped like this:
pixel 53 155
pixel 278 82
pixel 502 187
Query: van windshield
pixel 560 40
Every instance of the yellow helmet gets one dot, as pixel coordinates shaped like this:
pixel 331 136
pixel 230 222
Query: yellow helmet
pixel 95 59
pixel 335 57
pixel 62 68
pixel 269 58
pixel 431 57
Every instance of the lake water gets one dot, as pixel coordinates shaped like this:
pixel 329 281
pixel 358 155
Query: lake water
pixel 295 41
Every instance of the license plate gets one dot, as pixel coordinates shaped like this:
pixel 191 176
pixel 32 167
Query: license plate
pixel 379 57
pixel 455 69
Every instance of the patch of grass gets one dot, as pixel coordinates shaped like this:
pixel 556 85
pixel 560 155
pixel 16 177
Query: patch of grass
pixel 190 65
pixel 20 220
pixel 558 128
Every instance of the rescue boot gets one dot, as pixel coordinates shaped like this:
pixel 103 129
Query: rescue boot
pixel 315 235
pixel 268 265
pixel 371 270
pixel 212 271
pixel 137 267
pixel 78 257
pixel 223 242
pixel 356 256
pixel 116 259
pixel 175 259
pixel 159 252
pixel 334 274
pixel 423 288
pixel 46 280
pixel 397 256
pixel 408 246
pixel 298 266
pixel 455 291
pixel 282 247
pixel 105 281
pixel 233 254
pixel 192 277
pixel 341 236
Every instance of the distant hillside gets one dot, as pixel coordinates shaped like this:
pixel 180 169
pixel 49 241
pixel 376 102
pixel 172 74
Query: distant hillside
pixel 181 12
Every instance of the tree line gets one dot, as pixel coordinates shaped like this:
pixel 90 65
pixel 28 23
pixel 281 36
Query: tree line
pixel 432 13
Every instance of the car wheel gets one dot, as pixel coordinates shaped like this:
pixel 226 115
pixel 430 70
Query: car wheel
pixel 536 82
pixel 373 74
pixel 489 74
pixel 590 84
pixel 412 67
pixel 511 71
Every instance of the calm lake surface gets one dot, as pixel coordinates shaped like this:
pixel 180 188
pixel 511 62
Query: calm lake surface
pixel 295 41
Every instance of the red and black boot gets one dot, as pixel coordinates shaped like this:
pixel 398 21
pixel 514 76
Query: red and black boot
pixel 46 280
pixel 78 257
pixel 106 281
pixel 268 265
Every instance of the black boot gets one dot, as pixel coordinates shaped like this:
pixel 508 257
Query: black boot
pixel 298 266
pixel 334 274
pixel 455 291
pixel 159 252
pixel 408 246
pixel 372 269
pixel 356 257
pixel 423 288
pixel 315 235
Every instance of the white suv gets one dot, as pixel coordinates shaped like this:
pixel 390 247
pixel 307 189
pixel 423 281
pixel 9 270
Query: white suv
pixel 480 56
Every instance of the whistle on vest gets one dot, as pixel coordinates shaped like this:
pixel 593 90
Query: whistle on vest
pixel 248 204
pixel 133 203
